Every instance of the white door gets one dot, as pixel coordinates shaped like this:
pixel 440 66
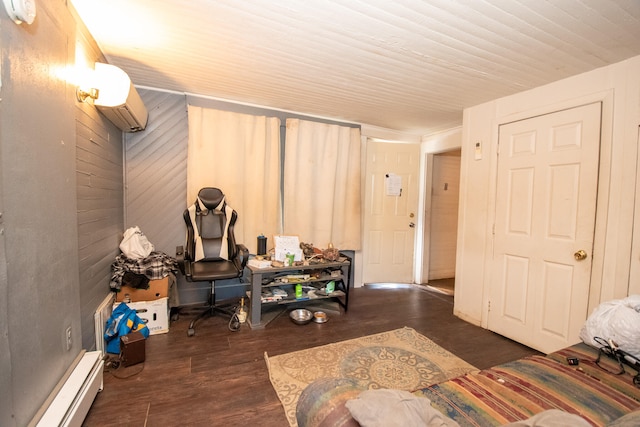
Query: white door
pixel 391 201
pixel 545 218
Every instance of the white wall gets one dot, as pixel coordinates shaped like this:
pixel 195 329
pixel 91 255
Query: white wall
pixel 618 87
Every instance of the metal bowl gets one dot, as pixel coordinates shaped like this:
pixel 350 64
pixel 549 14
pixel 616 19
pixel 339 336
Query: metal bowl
pixel 301 316
pixel 320 317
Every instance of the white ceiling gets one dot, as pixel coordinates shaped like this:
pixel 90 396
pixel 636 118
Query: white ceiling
pixel 408 65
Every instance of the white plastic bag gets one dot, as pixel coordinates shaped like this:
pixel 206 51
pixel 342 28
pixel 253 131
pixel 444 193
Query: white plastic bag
pixel 617 320
pixel 135 244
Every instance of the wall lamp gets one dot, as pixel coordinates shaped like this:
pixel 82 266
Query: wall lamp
pixel 107 85
pixel 113 94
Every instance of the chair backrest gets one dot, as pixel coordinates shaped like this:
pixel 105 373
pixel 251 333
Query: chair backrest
pixel 211 220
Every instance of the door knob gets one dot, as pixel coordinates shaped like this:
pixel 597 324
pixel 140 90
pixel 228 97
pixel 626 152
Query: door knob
pixel 580 255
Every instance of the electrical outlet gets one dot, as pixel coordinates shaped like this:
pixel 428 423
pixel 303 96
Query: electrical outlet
pixel 68 337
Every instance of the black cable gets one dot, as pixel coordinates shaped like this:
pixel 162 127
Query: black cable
pixel 113 364
pixel 234 322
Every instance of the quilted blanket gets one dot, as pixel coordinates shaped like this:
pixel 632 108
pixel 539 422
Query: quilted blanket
pixel 517 390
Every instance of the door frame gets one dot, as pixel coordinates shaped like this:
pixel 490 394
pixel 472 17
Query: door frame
pixel 449 140
pixel 602 207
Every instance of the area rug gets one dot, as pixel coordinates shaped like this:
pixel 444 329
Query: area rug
pixel 400 359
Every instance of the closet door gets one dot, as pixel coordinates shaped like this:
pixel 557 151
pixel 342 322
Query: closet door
pixel 544 230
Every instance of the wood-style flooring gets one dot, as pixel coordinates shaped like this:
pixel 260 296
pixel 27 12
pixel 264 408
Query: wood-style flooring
pixel 219 377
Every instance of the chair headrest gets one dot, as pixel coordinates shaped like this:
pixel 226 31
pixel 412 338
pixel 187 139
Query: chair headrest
pixel 210 197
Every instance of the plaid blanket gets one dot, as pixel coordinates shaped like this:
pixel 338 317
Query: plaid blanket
pixel 156 266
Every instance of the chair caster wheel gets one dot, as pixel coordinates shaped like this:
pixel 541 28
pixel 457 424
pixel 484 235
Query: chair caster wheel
pixel 175 316
pixel 191 332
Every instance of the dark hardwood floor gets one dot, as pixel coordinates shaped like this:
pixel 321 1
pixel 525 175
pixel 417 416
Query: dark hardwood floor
pixel 220 378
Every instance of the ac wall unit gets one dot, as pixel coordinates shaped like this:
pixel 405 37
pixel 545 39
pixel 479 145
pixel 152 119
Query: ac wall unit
pixel 118 100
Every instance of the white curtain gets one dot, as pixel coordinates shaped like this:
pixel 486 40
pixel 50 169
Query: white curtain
pixel 240 155
pixel 322 184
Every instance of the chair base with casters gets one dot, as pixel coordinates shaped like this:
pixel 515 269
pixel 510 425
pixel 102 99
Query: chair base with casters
pixel 211 252
pixel 211 310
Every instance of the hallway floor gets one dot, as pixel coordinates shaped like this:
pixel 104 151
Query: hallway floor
pixel 444 286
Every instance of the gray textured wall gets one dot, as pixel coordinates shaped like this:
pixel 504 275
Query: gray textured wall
pixel 53 257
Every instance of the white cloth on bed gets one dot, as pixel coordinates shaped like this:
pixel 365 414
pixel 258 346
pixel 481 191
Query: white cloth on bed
pixel 396 408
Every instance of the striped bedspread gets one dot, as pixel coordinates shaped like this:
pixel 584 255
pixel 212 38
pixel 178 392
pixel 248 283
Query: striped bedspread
pixel 517 390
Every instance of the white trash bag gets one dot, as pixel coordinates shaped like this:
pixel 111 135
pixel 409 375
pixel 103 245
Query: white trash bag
pixel 135 244
pixel 617 320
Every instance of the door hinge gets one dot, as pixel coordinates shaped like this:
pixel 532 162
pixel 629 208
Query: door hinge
pixel 488 305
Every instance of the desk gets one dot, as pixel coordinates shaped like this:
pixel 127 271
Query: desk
pixel 320 274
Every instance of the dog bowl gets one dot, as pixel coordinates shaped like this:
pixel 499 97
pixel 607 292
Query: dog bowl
pixel 301 316
pixel 320 317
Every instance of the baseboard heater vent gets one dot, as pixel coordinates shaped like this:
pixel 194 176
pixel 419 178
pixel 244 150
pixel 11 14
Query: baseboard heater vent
pixel 102 314
pixel 71 400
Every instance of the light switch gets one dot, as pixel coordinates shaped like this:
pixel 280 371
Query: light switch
pixel 478 150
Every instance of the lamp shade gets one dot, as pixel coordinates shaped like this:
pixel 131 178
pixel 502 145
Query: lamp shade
pixel 113 85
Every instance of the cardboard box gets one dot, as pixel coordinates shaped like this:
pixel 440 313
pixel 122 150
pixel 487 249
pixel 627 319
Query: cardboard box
pixel 155 314
pixel 157 289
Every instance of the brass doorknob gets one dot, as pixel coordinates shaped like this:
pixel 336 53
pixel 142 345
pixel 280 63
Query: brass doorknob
pixel 580 255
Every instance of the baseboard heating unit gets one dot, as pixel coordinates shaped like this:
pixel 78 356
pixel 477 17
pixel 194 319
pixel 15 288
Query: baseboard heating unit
pixel 70 401
pixel 102 314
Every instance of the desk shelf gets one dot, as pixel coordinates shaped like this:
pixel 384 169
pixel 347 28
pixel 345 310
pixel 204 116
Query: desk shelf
pixel 266 279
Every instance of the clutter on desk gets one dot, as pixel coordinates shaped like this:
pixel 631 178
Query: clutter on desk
pixel 262 245
pixel 259 262
pixel 287 248
pixel 290 252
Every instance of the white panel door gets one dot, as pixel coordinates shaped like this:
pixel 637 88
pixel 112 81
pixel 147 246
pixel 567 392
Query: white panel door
pixel 389 220
pixel 545 218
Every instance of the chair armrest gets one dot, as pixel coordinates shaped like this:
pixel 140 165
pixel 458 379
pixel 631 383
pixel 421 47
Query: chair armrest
pixel 243 254
pixel 180 258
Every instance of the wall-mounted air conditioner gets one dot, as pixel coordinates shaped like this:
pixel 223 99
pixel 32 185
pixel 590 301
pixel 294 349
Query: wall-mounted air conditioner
pixel 118 100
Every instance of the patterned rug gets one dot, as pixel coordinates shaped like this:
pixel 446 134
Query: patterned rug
pixel 401 359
